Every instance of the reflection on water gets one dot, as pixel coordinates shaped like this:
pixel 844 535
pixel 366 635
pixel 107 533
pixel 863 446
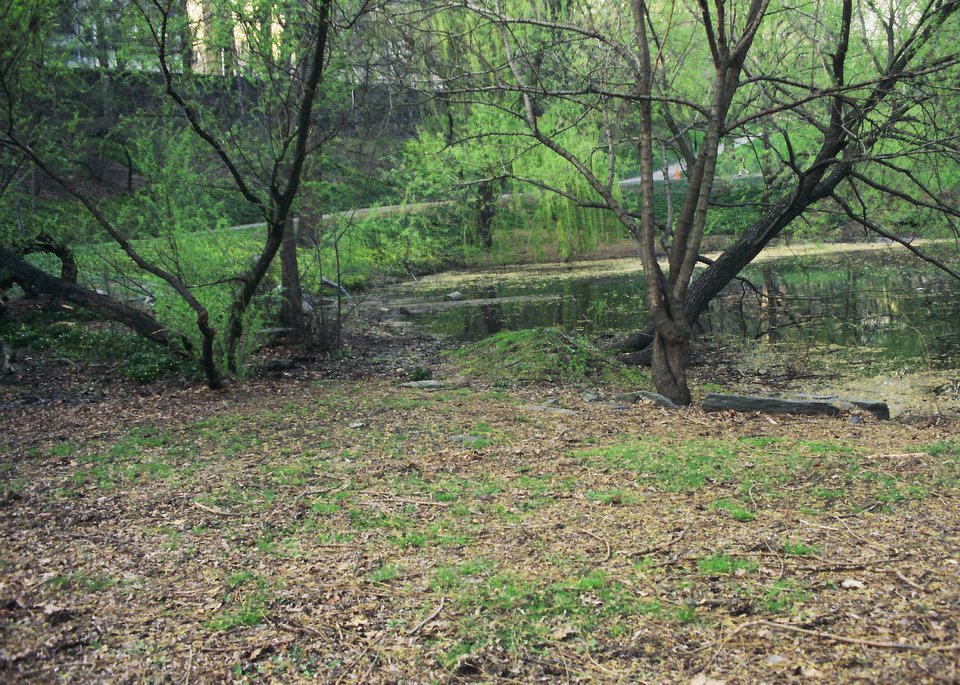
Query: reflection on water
pixel 903 308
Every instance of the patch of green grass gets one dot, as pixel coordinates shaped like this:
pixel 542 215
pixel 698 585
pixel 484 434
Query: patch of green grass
pixel 100 475
pixel 447 578
pixel 404 403
pixel 80 581
pixel 73 337
pixel 142 455
pixel 800 549
pixel 889 489
pixel 684 468
pixel 64 449
pixel 289 473
pixel 516 612
pixel 418 373
pixel 334 538
pixel 240 499
pixel 246 599
pixel 759 440
pixel 749 464
pixel 325 507
pixel 386 573
pixel 240 578
pixel 736 511
pixel 10 483
pixel 784 596
pixel 610 497
pixel 722 564
pixel 414 538
pixel 365 519
pixel 828 494
pixel 277 543
pixel 945 448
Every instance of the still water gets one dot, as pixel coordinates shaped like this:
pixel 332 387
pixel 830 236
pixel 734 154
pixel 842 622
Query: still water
pixel 883 300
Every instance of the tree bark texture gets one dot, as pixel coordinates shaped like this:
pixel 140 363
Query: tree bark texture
pixel 669 368
pixel 291 314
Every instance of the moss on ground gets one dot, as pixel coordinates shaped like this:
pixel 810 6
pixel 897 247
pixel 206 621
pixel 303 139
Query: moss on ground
pixel 544 355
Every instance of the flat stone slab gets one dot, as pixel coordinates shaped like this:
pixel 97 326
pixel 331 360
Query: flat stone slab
pixel 644 396
pixel 423 385
pixel 548 409
pixel 829 406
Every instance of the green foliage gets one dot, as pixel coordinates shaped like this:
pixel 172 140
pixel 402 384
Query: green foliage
pixel 723 564
pixel 246 599
pixel 784 596
pixel 516 612
pixel 800 549
pixel 136 358
pixel 736 511
pixel 684 468
pixel 386 573
pixel 542 355
pixel 80 581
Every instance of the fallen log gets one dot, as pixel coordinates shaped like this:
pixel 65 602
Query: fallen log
pixel 830 406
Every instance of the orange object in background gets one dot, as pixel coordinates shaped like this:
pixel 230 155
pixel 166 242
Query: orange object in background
pixel 677 175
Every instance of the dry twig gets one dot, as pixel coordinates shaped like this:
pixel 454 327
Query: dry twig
pixel 660 548
pixel 906 580
pixel 186 678
pixel 419 626
pixel 215 510
pixel 880 644
pixel 403 500
pixel 606 556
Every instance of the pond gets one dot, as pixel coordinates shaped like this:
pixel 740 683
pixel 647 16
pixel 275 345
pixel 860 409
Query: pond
pixel 876 296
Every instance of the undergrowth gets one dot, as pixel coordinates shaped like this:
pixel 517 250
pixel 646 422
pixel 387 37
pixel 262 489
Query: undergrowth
pixel 544 355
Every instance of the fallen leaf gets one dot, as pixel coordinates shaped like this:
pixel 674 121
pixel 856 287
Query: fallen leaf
pixel 562 633
pixel 701 679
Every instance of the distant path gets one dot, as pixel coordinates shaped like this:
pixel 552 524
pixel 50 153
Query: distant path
pixel 673 170
pixel 385 210
pixel 366 212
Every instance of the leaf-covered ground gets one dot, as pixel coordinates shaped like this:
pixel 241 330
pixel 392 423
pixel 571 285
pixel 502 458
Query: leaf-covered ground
pixel 328 525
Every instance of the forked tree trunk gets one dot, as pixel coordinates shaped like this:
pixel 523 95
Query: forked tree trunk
pixel 737 257
pixel 668 369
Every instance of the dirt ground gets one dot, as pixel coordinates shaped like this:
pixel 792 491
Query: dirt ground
pixel 322 523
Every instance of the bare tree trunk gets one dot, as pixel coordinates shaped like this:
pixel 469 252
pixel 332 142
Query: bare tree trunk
pixel 738 256
pixel 668 369
pixel 482 235
pixel 292 309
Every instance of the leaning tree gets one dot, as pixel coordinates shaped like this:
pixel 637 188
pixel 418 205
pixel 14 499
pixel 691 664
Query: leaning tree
pixel 840 98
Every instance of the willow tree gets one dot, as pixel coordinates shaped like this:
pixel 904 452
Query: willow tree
pixel 829 92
